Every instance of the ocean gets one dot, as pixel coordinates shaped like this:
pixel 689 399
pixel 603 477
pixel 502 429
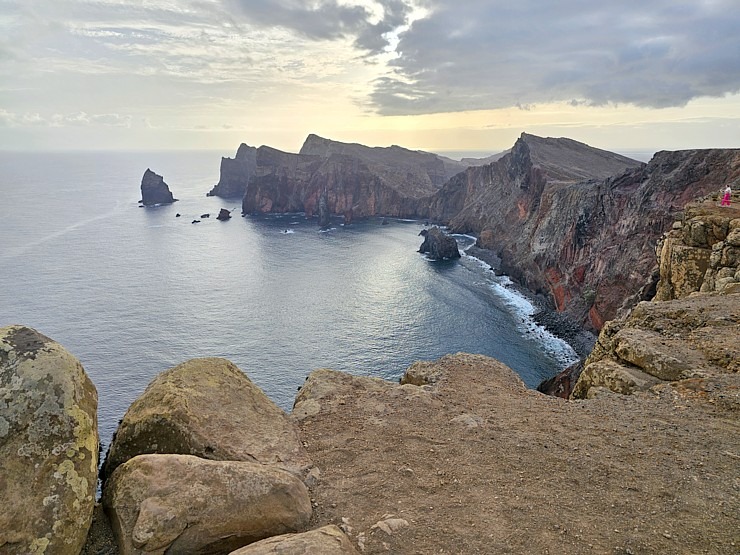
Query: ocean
pixel 134 291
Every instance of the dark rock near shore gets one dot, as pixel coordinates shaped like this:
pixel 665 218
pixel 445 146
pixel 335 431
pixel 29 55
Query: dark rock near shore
pixel 223 215
pixel 154 190
pixel 324 213
pixel 438 245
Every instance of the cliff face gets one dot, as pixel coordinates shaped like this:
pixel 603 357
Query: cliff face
pixel 578 223
pixel 235 173
pixel 355 186
pixel 690 330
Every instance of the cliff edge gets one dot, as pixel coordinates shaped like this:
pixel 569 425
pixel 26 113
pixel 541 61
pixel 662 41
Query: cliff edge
pixel 471 461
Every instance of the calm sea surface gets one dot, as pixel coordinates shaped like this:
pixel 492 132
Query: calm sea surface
pixel 133 291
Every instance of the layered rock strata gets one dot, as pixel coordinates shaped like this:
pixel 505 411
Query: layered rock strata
pixel 563 227
pixel 358 181
pixel 701 252
pixel 154 190
pixel 48 446
pixel 235 173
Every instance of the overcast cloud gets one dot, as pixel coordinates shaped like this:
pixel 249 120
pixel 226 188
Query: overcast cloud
pixel 195 63
pixel 482 54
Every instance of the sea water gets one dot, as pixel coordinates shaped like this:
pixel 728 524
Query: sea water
pixel 133 291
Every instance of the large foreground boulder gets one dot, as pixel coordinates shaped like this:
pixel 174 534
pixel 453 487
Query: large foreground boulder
pixel 209 408
pixel 183 504
pixel 154 190
pixel 329 540
pixel 48 446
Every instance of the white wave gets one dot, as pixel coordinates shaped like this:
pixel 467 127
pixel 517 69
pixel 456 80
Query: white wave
pixel 327 230
pixel 521 307
pixel 287 231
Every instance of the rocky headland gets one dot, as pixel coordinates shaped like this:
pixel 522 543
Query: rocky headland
pixel 572 223
pixel 235 173
pixel 154 190
pixel 587 242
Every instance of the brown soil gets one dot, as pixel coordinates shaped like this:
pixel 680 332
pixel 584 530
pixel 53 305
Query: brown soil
pixel 479 464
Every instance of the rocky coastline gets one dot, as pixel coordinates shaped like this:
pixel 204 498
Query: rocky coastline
pixel 638 454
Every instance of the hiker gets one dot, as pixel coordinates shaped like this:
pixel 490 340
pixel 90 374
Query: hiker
pixel 726 197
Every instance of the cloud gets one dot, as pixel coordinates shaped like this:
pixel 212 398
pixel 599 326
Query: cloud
pixel 368 23
pixel 480 54
pixel 74 119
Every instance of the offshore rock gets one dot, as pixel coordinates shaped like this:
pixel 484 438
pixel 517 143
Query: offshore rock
pixel 235 173
pixel 578 224
pixel 327 540
pixel 48 446
pixel 438 245
pixel 154 190
pixel 223 215
pixel 183 504
pixel 209 408
pixel 324 214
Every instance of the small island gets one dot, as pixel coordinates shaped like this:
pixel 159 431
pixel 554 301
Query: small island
pixel 154 190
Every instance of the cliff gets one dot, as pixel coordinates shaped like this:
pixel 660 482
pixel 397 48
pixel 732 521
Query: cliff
pixel 354 186
pixel 688 334
pixel 235 173
pixel 579 224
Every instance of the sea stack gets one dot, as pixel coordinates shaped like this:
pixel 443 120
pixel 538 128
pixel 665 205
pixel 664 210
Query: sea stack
pixel 223 215
pixel 154 190
pixel 438 245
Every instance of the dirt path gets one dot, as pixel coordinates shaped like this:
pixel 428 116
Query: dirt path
pixel 479 464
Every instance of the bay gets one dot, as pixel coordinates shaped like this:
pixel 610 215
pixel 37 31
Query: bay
pixel 133 291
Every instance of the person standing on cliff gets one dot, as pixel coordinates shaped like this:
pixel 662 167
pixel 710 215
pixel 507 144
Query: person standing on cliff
pixel 726 197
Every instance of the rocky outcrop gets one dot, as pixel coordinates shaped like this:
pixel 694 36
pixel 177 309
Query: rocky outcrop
pixel 223 215
pixel 438 245
pixel 235 173
pixel 570 222
pixel 701 252
pixel 682 334
pixel 48 446
pixel 327 540
pixel 209 408
pixel 183 504
pixel 154 190
pixel 694 338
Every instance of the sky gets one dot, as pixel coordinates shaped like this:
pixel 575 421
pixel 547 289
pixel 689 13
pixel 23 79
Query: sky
pixel 438 75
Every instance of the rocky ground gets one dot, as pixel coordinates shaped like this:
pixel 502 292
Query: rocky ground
pixel 477 463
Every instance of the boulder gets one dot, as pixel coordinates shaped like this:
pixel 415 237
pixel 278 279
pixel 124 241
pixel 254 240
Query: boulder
pixel 438 245
pixel 209 408
pixel 48 445
pixel 154 190
pixel 223 215
pixel 183 504
pixel 328 540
